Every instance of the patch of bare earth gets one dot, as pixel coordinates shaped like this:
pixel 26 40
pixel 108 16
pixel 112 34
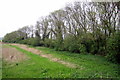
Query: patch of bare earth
pixel 49 56
pixel 10 54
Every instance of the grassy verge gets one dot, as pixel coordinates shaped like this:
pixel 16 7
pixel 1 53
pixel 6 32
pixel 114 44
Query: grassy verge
pixel 36 67
pixel 0 60
pixel 0 68
pixel 90 66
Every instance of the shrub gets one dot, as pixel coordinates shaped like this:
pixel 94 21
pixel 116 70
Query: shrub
pixel 85 43
pixel 58 45
pixel 94 48
pixel 71 44
pixel 49 43
pixel 23 41
pixel 82 49
pixel 32 41
pixel 35 42
pixel 113 48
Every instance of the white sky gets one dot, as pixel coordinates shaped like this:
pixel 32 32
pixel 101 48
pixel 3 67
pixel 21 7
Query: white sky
pixel 15 14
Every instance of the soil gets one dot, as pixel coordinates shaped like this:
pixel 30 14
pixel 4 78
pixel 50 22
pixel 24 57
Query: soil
pixel 12 55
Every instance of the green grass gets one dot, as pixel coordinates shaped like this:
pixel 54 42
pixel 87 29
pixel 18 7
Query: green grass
pixel 36 67
pixel 90 66
pixel 0 68
pixel 0 61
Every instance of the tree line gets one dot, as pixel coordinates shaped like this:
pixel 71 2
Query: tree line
pixel 82 27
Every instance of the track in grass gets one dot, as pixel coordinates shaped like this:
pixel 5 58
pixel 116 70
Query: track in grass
pixel 49 56
pixel 36 66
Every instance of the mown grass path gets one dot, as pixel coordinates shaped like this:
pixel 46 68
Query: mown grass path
pixel 49 56
pixel 36 66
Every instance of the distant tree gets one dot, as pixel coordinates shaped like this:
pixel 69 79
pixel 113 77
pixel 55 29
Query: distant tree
pixel 14 37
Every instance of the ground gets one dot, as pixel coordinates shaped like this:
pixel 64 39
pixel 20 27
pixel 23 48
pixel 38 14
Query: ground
pixel 43 62
pixel 12 55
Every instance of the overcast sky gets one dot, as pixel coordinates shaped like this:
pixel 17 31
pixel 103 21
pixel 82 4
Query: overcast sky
pixel 15 14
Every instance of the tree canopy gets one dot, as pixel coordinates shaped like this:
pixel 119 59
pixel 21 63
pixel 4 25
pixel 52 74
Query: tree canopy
pixel 91 27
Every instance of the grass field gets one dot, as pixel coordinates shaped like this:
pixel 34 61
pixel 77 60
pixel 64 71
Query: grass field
pixel 0 68
pixel 88 66
pixel 92 65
